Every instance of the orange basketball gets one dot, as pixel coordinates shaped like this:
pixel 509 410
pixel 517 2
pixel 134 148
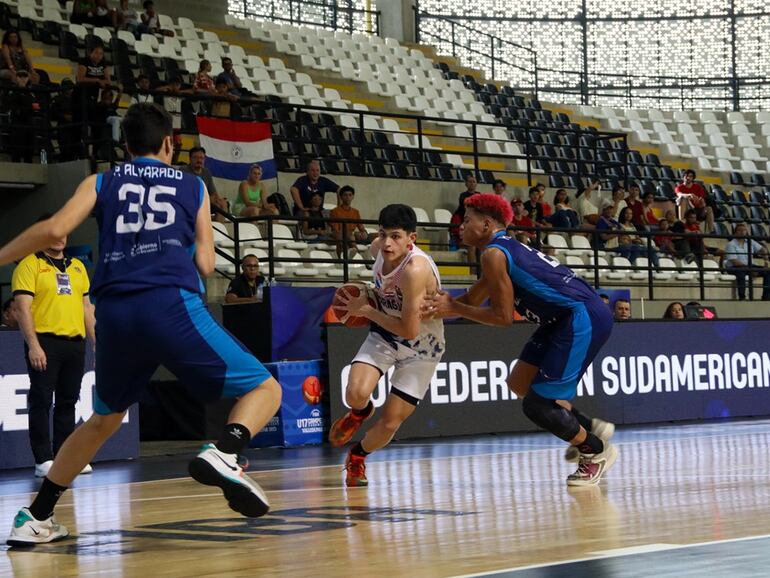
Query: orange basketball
pixel 312 390
pixel 353 290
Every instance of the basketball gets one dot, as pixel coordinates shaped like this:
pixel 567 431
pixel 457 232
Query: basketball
pixel 312 390
pixel 353 290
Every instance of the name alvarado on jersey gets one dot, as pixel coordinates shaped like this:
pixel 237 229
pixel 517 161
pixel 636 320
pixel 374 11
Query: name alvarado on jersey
pixel 149 171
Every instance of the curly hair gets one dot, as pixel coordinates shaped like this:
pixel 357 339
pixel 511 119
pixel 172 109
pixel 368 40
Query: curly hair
pixel 492 206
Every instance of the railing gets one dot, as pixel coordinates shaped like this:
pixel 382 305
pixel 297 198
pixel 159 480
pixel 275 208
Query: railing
pixel 592 272
pixel 329 14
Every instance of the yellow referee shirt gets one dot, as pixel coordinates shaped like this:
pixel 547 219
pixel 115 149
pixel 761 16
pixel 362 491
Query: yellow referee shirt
pixel 57 297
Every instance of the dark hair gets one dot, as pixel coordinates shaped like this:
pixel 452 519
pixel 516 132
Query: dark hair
pixel 142 77
pixel 533 190
pixel 621 219
pixel 202 64
pixel 617 187
pixel 226 58
pixel 8 34
pixel 633 185
pixel 250 255
pixel 95 46
pixel 148 3
pixel 690 212
pixel 621 300
pixel 145 126
pixel 604 296
pixel 221 79
pixel 398 216
pixel 498 182
pixel 346 189
pixel 558 192
pixel 175 79
pixel 648 194
pixel 669 310
pixel 690 172
pixel 197 150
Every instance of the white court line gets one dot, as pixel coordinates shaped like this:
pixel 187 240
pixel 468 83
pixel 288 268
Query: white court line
pixel 619 553
pixel 435 458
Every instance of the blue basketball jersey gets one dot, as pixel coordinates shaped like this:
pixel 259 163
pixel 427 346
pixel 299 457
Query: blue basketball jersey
pixel 543 289
pixel 146 212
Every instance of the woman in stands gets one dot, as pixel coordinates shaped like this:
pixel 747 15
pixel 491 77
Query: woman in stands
pixel 251 201
pixel 675 310
pixel 316 227
pixel 16 58
pixel 633 243
pixel 564 216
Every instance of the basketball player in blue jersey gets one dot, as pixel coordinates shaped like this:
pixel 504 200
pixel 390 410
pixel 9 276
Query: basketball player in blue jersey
pixel 574 324
pixel 156 242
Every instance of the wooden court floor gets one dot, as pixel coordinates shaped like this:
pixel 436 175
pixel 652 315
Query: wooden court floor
pixel 682 500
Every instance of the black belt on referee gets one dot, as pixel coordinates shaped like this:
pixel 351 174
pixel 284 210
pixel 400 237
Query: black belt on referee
pixel 62 337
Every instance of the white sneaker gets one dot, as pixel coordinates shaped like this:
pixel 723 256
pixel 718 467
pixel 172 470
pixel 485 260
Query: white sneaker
pixel 215 468
pixel 27 531
pixel 604 430
pixel 41 470
pixel 591 467
pixel 88 469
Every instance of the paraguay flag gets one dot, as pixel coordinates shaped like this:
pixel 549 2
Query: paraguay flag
pixel 233 146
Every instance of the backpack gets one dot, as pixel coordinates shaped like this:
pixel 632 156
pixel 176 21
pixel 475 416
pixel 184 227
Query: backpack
pixel 280 201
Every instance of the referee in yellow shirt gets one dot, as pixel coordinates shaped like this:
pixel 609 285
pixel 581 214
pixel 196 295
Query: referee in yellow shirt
pixel 54 313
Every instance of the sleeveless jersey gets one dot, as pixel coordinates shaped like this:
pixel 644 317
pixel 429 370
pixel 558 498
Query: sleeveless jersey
pixel 146 211
pixel 430 341
pixel 543 289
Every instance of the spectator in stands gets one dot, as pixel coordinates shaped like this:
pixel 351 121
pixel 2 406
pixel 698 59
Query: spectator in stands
pixel 564 215
pixel 93 74
pixel 203 81
pixel 736 261
pixel 675 310
pixel 498 187
pixel 94 12
pixel 16 58
pixel 22 106
pixel 615 239
pixel 246 287
pixel 142 93
pixel 356 232
pixel 224 105
pixel 251 201
pixel 636 205
pixel 106 15
pixel 666 243
pixel 68 137
pixel 173 104
pixel 106 123
pixel 547 209
pixel 622 310
pixel 534 207
pixel 692 195
pixel 698 246
pixel 8 319
pixel 310 183
pixel 618 199
pixel 128 18
pixel 50 294
pixel 626 223
pixel 470 189
pixel 604 297
pixel 316 227
pixel 521 219
pixel 150 23
pixel 197 167
pixel 586 209
pixel 230 77
pixel 648 220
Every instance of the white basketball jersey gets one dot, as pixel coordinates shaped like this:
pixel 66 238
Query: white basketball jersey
pixel 430 341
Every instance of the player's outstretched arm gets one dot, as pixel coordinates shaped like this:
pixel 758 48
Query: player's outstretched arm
pixel 498 287
pixel 62 223
pixel 204 238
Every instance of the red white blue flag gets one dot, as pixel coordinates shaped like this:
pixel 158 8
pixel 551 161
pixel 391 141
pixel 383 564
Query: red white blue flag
pixel 233 146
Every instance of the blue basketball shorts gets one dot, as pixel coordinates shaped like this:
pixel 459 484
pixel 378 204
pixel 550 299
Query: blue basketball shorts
pixel 563 350
pixel 137 332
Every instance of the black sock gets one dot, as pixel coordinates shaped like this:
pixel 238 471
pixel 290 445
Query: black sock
pixel 358 450
pixel 592 445
pixel 234 439
pixel 363 412
pixel 45 501
pixel 582 420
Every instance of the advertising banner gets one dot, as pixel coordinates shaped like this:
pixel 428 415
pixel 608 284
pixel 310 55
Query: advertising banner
pixel 15 451
pixel 649 371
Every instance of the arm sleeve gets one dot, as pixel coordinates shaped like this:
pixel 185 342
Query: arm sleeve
pixel 25 277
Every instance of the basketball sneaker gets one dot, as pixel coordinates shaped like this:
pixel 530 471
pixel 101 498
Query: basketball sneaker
pixel 345 427
pixel 604 430
pixel 355 471
pixel 41 470
pixel 212 467
pixel 591 467
pixel 28 531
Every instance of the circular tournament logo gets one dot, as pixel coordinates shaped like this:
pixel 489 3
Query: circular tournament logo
pixel 236 152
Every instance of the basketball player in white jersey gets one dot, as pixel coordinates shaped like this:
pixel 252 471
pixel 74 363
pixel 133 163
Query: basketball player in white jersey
pixel 404 276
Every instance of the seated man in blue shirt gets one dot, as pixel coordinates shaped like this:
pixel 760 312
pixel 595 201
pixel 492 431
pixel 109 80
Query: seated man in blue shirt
pixel 304 187
pixel 736 261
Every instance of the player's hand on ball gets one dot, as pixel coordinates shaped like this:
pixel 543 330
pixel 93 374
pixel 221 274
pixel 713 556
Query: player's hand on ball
pixel 355 306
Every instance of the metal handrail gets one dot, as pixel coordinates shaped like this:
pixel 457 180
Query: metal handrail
pixel 276 11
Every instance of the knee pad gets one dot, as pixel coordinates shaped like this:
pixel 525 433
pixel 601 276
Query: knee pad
pixel 550 416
